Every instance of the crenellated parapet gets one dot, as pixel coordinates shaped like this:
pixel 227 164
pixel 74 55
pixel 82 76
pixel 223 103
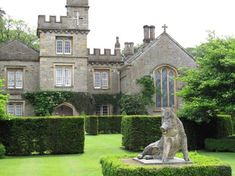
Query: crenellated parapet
pixel 105 56
pixel 64 23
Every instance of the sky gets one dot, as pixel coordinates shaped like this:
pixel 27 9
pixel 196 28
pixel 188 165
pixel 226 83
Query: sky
pixel 188 20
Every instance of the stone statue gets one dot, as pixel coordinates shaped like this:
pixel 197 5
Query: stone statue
pixel 173 139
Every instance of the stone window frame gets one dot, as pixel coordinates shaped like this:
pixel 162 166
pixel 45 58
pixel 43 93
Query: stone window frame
pixel 15 103
pixel 63 39
pixel 101 70
pixel 100 110
pixel 15 69
pixel 56 65
pixel 176 74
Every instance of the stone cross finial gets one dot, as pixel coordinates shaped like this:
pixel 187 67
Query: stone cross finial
pixel 164 27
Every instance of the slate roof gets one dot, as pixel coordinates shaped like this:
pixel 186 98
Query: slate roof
pixel 145 49
pixel 17 51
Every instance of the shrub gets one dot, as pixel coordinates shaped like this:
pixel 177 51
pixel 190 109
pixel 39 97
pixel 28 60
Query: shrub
pixel 91 125
pixel 2 150
pixel 103 124
pixel 220 145
pixel 202 166
pixel 55 135
pixel 139 131
pixel 109 124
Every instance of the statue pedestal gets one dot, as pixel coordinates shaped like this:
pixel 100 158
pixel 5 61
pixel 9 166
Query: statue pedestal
pixel 159 162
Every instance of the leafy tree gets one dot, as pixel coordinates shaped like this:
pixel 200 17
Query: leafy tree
pixel 210 88
pixel 11 29
pixel 136 104
pixel 3 101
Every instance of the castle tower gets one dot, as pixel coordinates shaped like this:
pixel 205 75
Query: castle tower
pixel 63 49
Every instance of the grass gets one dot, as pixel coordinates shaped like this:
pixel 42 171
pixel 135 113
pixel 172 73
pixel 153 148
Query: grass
pixel 86 164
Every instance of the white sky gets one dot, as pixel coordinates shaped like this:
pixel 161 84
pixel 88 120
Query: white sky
pixel 188 20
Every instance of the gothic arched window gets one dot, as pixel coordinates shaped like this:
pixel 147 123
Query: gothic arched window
pixel 165 86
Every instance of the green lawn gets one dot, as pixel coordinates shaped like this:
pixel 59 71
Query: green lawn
pixel 86 164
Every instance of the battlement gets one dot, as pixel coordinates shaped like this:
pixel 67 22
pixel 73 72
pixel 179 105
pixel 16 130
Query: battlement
pixel 106 56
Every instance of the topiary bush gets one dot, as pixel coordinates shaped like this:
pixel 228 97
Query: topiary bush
pixel 202 166
pixel 91 125
pixel 47 135
pixel 220 145
pixel 139 131
pixel 2 150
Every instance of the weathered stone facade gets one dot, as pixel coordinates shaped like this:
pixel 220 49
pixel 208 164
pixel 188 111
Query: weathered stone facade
pixel 63 45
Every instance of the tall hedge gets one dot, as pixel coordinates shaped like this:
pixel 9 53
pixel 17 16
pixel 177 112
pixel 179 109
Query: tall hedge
pixel 139 131
pixel 52 135
pixel 103 124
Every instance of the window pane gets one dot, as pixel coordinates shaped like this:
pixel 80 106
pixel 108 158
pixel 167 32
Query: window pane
pixel 105 80
pixel 97 80
pixel 164 87
pixel 105 110
pixel 11 79
pixel 59 46
pixel 19 79
pixel 158 89
pixel 59 77
pixel 67 77
pixel 10 109
pixel 18 110
pixel 171 89
pixel 67 47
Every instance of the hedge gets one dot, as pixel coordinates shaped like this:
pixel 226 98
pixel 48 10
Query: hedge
pixel 139 131
pixel 202 166
pixel 52 135
pixel 91 125
pixel 103 124
pixel 2 150
pixel 220 145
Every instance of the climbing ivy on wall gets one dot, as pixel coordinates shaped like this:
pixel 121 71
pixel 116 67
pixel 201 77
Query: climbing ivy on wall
pixel 44 102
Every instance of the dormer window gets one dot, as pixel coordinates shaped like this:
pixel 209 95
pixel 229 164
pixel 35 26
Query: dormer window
pixel 63 45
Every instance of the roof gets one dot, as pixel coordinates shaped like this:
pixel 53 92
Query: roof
pixel 151 44
pixel 17 51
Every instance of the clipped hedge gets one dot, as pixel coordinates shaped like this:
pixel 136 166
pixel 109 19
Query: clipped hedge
pixel 139 131
pixel 2 150
pixel 52 135
pixel 202 166
pixel 91 125
pixel 220 145
pixel 103 124
pixel 109 124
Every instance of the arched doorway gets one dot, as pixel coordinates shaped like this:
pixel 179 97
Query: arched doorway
pixel 65 109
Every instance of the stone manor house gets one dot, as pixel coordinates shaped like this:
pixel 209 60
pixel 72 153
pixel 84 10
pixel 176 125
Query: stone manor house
pixel 64 63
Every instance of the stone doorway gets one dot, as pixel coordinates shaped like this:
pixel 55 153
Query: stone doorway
pixel 65 109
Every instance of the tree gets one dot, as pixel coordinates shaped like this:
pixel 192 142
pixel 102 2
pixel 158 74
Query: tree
pixel 3 101
pixel 11 29
pixel 210 88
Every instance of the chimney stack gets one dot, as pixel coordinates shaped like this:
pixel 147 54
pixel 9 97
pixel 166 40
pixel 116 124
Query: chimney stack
pixel 117 47
pixel 129 49
pixel 152 32
pixel 146 34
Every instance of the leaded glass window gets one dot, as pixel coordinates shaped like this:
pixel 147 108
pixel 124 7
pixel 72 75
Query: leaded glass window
pixel 101 79
pixel 165 87
pixel 15 78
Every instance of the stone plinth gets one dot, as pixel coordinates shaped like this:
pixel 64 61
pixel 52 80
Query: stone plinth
pixel 159 162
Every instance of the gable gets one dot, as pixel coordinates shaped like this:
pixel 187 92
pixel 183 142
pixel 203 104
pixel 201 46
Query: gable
pixel 17 51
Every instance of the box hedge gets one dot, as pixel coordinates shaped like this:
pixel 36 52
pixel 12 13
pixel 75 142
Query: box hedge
pixel 52 135
pixel 2 150
pixel 103 124
pixel 202 166
pixel 139 131
pixel 220 145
